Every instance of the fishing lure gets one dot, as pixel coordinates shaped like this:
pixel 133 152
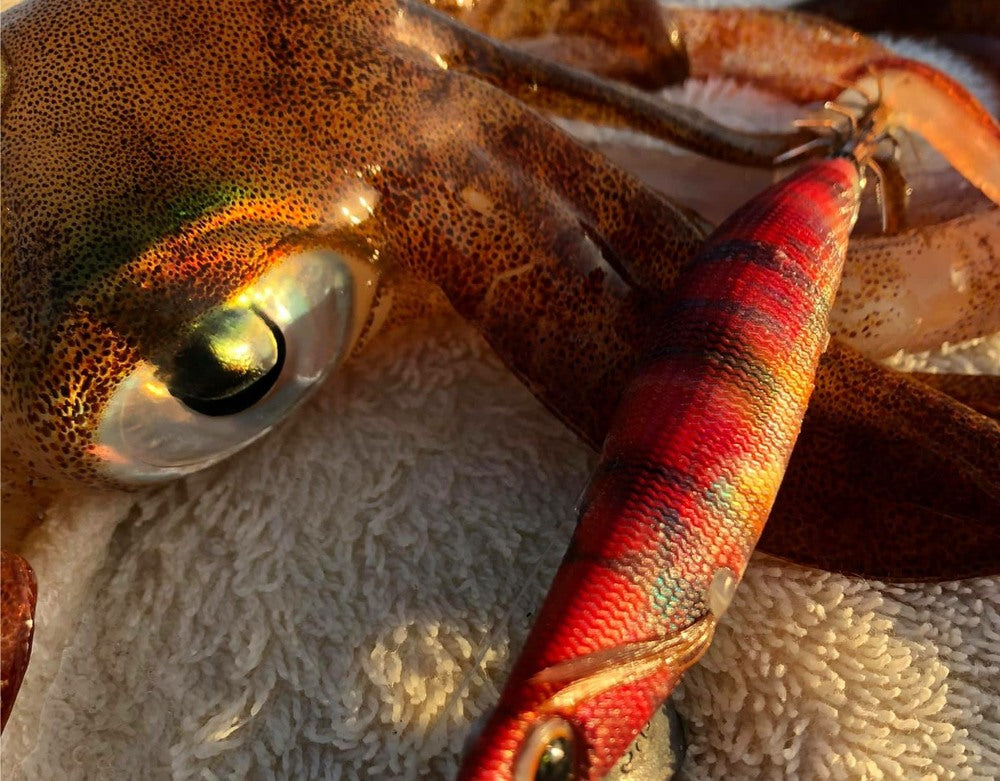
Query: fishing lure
pixel 687 477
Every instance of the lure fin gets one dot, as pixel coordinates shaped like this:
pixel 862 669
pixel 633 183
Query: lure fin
pixel 587 676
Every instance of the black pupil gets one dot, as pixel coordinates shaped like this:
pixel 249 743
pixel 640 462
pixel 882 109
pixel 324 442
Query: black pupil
pixel 229 362
pixel 556 761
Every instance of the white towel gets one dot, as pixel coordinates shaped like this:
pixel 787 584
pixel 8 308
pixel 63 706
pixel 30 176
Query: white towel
pixel 308 609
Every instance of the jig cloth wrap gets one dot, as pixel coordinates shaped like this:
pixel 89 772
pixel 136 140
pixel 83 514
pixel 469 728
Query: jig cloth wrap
pixel 307 609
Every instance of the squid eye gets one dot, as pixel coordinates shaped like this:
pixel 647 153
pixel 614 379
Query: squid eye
pixel 237 370
pixel 229 363
pixel 549 753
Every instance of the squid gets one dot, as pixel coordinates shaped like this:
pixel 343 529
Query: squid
pixel 209 207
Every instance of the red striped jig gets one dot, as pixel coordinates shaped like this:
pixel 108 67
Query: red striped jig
pixel 687 477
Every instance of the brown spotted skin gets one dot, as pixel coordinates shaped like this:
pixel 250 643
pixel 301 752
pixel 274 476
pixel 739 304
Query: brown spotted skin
pixel 625 40
pixel 980 392
pixel 154 166
pixel 158 157
pixel 19 592
pixel 871 502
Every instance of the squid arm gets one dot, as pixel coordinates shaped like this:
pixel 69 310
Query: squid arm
pixel 980 392
pixel 693 42
pixel 864 491
pixel 905 465
pixel 862 454
pixel 565 91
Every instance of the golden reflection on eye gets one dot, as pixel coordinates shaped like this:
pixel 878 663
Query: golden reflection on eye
pixel 238 369
pixel 230 361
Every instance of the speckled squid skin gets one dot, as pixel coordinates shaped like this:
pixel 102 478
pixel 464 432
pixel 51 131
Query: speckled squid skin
pixel 665 41
pixel 158 157
pixel 20 590
pixel 689 471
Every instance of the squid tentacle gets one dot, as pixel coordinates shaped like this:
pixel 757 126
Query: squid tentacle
pixel 574 94
pixel 980 392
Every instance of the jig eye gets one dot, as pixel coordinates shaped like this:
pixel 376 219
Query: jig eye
pixel 549 753
pixel 237 370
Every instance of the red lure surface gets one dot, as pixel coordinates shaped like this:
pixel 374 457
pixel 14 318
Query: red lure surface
pixel 686 480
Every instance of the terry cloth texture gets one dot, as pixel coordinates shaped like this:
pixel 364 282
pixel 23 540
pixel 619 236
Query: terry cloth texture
pixel 308 609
